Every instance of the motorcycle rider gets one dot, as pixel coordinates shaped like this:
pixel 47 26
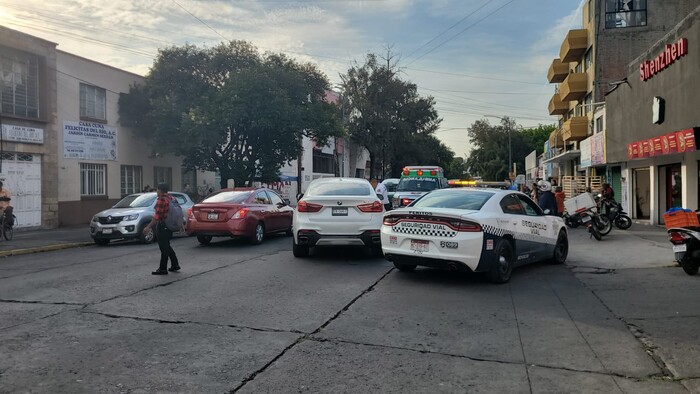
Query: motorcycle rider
pixel 608 197
pixel 546 197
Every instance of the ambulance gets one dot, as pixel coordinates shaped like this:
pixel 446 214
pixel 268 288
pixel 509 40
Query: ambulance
pixel 416 181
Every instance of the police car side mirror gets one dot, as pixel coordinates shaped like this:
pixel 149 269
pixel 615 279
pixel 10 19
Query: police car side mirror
pixel 380 196
pixel 547 211
pixel 300 196
pixel 286 201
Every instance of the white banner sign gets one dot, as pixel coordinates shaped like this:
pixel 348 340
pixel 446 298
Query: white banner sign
pixel 87 140
pixel 24 134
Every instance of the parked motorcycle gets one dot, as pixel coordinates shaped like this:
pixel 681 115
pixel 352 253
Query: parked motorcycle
pixel 589 218
pixel 615 213
pixel 686 247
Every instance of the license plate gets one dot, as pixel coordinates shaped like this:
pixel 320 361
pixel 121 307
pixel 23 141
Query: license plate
pixel 107 231
pixel 212 216
pixel 586 219
pixel 419 245
pixel 680 248
pixel 339 211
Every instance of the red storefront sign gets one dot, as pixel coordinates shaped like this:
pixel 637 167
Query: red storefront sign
pixel 677 142
pixel 670 54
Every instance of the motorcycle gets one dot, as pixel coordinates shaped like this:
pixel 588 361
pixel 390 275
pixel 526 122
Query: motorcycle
pixel 686 247
pixel 615 213
pixel 589 218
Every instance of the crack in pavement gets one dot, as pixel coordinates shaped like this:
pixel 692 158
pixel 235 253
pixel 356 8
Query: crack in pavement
pixel 520 337
pixel 42 302
pixel 308 335
pixel 41 318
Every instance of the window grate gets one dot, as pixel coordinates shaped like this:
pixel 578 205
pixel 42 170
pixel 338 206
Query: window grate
pixel 92 102
pixel 93 179
pixel 19 83
pixel 131 179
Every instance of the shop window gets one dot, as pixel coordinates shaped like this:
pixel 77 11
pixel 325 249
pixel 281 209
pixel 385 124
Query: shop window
pixel 19 83
pixel 599 124
pixel 131 179
pixel 92 102
pixel 323 162
pixel 93 179
pixel 162 175
pixel 625 13
pixel 588 59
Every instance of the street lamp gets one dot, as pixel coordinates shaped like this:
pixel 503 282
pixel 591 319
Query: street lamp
pixel 510 148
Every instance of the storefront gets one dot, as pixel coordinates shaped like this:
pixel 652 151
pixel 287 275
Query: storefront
pixel 653 124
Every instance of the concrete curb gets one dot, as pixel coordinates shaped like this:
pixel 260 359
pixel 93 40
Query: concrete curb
pixel 47 248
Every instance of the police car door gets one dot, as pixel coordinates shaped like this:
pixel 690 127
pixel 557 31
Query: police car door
pixel 513 222
pixel 534 227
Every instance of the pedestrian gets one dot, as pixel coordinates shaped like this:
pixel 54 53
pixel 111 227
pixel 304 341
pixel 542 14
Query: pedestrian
pixel 534 192
pixel 509 184
pixel 547 201
pixel 560 196
pixel 146 189
pixel 5 207
pixel 187 189
pixel 163 233
pixel 380 189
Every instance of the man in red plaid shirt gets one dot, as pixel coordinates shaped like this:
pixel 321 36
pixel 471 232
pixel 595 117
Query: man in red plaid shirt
pixel 163 234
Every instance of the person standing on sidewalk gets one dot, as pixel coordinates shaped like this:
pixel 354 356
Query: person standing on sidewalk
pixel 163 234
pixel 5 207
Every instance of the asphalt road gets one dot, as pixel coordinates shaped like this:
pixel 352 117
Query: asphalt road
pixel 255 319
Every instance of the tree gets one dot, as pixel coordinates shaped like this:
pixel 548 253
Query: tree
pixel 385 112
pixel 458 168
pixel 420 149
pixel 230 109
pixel 489 156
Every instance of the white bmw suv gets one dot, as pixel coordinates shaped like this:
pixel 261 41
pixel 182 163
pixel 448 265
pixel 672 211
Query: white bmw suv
pixel 338 211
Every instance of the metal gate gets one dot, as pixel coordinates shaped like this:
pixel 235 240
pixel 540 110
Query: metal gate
pixel 21 175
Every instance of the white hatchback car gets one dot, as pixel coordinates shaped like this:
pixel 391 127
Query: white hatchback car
pixel 473 230
pixel 338 211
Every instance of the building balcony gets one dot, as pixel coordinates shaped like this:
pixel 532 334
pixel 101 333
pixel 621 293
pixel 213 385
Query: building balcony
pixel 574 46
pixel 557 71
pixel 555 139
pixel 575 129
pixel 556 106
pixel 574 87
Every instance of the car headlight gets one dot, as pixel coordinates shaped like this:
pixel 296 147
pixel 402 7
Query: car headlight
pixel 131 217
pixel 95 219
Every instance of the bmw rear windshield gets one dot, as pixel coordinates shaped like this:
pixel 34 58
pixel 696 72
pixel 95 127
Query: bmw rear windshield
pixel 417 184
pixel 450 198
pixel 339 188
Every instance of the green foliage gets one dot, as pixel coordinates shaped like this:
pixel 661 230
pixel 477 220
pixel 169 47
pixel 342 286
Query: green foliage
pixel 388 117
pixel 230 109
pixel 489 156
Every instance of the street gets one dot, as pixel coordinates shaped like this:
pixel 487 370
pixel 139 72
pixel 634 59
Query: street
pixel 251 319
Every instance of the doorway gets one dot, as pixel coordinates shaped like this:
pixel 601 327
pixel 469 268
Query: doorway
pixel 642 193
pixel 670 187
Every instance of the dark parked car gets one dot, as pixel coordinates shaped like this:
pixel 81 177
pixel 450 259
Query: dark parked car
pixel 241 212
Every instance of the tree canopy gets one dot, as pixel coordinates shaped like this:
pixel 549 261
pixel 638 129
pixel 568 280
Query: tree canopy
pixel 489 156
pixel 388 117
pixel 231 109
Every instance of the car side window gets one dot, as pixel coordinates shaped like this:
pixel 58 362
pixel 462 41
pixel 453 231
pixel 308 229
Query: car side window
pixel 261 198
pixel 274 198
pixel 511 205
pixel 180 199
pixel 531 209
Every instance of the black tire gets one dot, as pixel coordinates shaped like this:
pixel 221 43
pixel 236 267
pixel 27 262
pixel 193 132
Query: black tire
pixel 8 232
pixel 595 232
pixel 258 234
pixel 561 249
pixel 571 223
pixel 404 267
pixel 289 232
pixel 147 239
pixel 502 268
pixel 377 251
pixel 604 224
pixel 300 250
pixel 689 266
pixel 101 242
pixel 623 222
pixel 204 239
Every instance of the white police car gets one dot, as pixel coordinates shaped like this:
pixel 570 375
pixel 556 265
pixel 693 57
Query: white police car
pixel 473 230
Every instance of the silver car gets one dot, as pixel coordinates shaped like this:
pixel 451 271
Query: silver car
pixel 128 217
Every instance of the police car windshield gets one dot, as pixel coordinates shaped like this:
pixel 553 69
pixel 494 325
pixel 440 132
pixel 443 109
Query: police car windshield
pixel 453 199
pixel 417 185
pixel 137 201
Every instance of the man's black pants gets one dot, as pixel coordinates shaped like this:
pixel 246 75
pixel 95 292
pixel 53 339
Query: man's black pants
pixel 166 251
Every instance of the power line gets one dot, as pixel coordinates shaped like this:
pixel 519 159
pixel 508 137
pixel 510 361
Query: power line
pixel 462 31
pixel 473 76
pixel 449 28
pixel 473 92
pixel 204 23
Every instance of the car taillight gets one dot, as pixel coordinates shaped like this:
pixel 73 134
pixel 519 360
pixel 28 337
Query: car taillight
pixel 372 207
pixel 466 226
pixel 190 214
pixel 405 201
pixel 304 206
pixel 240 214
pixel 390 220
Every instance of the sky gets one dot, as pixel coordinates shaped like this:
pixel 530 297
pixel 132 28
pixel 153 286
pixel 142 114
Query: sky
pixel 475 57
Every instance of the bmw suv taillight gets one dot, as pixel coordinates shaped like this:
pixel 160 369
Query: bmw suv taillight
pixel 304 206
pixel 373 207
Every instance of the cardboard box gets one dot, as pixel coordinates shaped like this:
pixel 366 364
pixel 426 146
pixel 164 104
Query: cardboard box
pixel 579 203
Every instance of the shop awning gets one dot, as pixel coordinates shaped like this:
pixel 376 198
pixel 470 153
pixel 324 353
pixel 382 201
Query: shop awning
pixel 566 156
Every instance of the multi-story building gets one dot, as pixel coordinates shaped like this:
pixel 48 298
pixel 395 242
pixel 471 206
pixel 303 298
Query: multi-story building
pixel 654 124
pixel 592 61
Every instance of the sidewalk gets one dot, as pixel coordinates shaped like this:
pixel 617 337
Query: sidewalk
pixel 35 241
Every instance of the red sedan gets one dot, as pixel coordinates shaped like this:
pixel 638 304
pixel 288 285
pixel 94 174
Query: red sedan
pixel 240 212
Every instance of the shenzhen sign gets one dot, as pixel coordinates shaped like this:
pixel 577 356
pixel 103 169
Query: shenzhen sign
pixel 668 56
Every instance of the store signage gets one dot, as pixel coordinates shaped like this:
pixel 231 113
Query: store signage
pixel 678 142
pixel 87 140
pixel 23 134
pixel 673 52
